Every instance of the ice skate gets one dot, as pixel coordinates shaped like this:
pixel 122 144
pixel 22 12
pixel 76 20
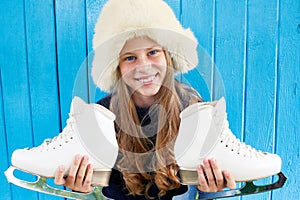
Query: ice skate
pixel 89 131
pixel 204 133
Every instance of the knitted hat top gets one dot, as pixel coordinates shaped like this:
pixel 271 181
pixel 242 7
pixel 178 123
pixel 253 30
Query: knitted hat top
pixel 121 20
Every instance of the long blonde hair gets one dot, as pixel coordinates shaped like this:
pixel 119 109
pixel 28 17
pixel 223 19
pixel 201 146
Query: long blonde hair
pixel 142 162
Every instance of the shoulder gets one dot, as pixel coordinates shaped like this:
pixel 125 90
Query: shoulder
pixel 187 94
pixel 105 101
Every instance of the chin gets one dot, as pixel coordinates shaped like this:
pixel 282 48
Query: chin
pixel 149 91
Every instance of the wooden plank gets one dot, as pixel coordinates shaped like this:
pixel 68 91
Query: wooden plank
pixel 199 16
pixel 5 187
pixel 42 69
pixel 71 52
pixel 230 54
pixel 40 27
pixel 261 73
pixel 261 78
pixel 93 9
pixel 288 98
pixel 15 88
pixel 230 59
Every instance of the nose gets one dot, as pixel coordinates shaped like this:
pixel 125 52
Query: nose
pixel 143 60
pixel 144 64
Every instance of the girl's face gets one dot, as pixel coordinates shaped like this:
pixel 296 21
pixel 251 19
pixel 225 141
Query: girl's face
pixel 143 66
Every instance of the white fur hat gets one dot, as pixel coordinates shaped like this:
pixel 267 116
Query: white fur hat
pixel 121 20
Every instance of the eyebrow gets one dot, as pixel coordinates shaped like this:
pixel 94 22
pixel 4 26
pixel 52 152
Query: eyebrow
pixel 147 49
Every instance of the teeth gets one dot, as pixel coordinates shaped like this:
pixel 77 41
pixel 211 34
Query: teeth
pixel 147 79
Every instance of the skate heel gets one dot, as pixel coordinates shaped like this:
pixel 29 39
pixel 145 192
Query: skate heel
pixel 101 177
pixel 189 177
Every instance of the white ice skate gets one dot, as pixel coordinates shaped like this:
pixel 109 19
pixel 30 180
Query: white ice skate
pixel 89 131
pixel 204 133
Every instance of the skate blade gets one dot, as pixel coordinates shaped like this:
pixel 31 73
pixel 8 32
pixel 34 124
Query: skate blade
pixel 40 185
pixel 248 189
pixel 101 178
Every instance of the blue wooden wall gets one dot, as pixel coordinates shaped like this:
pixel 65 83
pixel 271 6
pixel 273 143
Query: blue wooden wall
pixel 248 49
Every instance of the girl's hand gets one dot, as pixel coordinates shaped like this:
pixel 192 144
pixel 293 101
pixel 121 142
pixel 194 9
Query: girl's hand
pixel 80 175
pixel 212 179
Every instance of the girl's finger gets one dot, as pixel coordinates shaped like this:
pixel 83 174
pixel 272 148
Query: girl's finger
pixel 230 181
pixel 203 185
pixel 73 171
pixel 87 184
pixel 210 176
pixel 59 176
pixel 80 176
pixel 219 179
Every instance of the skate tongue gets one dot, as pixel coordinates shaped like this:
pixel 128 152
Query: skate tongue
pixel 215 130
pixel 77 105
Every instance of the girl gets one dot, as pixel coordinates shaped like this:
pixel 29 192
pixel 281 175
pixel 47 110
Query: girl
pixel 139 45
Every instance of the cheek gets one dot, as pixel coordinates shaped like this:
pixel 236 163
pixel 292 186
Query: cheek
pixel 162 64
pixel 123 69
pixel 162 68
pixel 161 60
pixel 126 72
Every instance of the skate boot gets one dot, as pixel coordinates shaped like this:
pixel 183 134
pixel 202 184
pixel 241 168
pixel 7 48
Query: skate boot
pixel 89 131
pixel 204 133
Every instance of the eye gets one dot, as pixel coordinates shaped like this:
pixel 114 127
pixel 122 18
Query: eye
pixel 129 58
pixel 152 52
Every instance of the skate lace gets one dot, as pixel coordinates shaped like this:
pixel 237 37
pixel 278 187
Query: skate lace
pixel 58 141
pixel 241 148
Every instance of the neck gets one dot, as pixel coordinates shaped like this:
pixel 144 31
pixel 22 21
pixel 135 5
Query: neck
pixel 143 101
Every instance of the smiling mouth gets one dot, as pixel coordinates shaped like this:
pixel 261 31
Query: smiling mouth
pixel 148 79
